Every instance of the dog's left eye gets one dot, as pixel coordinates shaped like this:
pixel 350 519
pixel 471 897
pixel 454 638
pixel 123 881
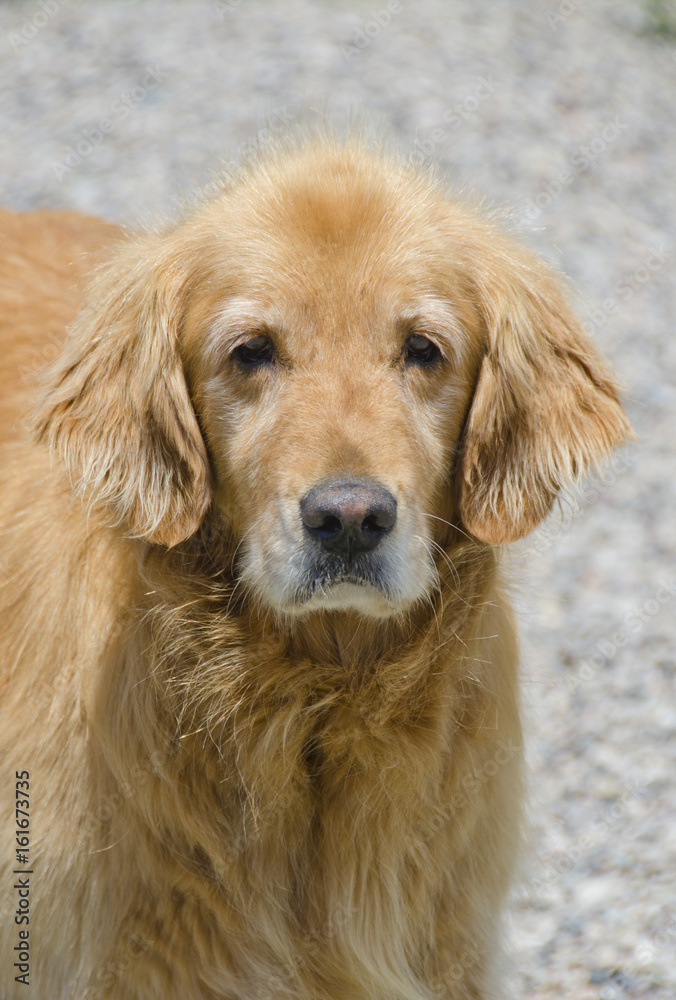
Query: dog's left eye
pixel 421 351
pixel 258 351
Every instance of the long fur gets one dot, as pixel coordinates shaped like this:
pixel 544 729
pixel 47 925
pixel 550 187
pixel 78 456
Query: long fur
pixel 229 799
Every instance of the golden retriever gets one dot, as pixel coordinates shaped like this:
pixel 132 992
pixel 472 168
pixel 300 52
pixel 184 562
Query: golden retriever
pixel 259 675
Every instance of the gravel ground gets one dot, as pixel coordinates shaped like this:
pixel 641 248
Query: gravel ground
pixel 563 113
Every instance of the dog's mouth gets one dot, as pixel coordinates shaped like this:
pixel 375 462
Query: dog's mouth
pixel 326 579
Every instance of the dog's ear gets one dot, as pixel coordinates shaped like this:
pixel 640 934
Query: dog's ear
pixel 116 405
pixel 545 409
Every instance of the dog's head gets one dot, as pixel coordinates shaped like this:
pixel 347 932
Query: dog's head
pixel 345 368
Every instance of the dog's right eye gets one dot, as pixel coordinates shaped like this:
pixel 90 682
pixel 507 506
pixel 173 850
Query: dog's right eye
pixel 421 351
pixel 258 351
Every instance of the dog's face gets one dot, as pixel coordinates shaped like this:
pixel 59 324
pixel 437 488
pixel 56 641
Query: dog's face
pixel 332 372
pixel 347 367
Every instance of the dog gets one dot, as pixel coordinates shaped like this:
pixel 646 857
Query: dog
pixel 259 672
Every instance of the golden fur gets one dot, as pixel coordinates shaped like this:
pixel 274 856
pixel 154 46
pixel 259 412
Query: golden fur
pixel 238 792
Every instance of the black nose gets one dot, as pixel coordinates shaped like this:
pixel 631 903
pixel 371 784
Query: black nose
pixel 348 517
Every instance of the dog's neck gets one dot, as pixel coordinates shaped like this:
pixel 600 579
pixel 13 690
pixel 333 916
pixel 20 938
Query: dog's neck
pixel 201 668
pixel 227 649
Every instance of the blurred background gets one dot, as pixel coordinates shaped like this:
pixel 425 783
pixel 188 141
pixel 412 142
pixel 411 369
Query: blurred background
pixel 562 113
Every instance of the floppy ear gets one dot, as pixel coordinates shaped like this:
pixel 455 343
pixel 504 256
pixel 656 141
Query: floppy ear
pixel 117 408
pixel 544 410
